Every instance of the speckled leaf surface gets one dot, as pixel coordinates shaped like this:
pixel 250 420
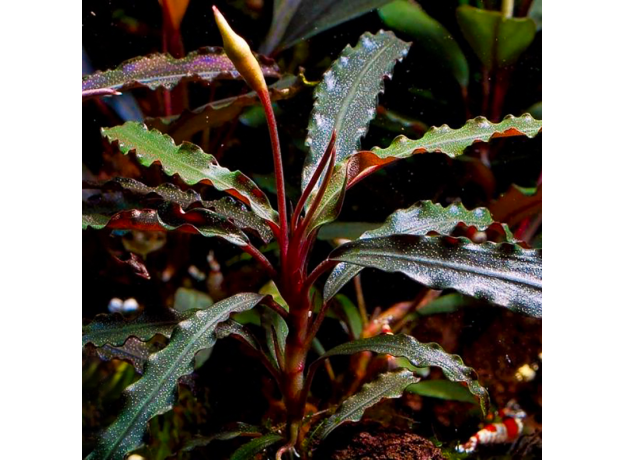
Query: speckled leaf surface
pixel 190 163
pixel 248 451
pixel 114 329
pixel 453 142
pixel 418 219
pixel 142 195
pixel 200 221
pixel 502 273
pixel 162 70
pixel 419 355
pixel 135 351
pixel 154 393
pixel 388 385
pixel 346 99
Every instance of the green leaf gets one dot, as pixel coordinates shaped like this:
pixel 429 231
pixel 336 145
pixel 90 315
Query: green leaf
pixel 503 273
pixel 429 35
pixel 139 195
pixel 240 429
pixel 442 389
pixel 161 70
pixel 191 299
pixel 453 142
pixel 295 20
pixel 419 219
pixel 231 327
pixel 420 355
pixel 346 99
pixel 135 351
pixel 115 329
pixel 448 303
pixel 190 163
pixel 154 393
pixel 248 451
pixel 497 41
pixel 388 385
pixel 535 13
pixel 351 315
pixel 201 221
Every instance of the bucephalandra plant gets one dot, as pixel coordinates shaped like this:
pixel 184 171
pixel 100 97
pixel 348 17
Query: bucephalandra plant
pixel 416 241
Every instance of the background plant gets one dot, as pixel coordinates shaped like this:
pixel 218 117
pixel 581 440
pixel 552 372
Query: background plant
pixel 503 272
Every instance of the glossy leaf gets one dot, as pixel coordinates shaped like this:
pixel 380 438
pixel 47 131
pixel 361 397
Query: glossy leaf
pixel 295 20
pixel 496 40
pixel 442 389
pixel 419 219
pixel 114 329
pixel 419 355
pixel 388 385
pixel 154 393
pixel 161 70
pixel 503 273
pixel 140 195
pixel 351 315
pixel 453 142
pixel 200 221
pixel 346 99
pixel 190 163
pixel 217 113
pixel 135 351
pixel 248 451
pixel 429 35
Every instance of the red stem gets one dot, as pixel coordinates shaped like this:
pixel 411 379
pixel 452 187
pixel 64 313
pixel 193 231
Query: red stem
pixel 256 254
pixel 265 98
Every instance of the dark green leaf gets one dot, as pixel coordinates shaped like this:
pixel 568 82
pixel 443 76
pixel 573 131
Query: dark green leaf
pixel 429 35
pixel 201 221
pixel 351 315
pixel 248 451
pixel 133 350
pixel 139 195
pixel 420 355
pixel 115 329
pixel 419 219
pixel 388 385
pixel 162 70
pixel 190 163
pixel 345 230
pixel 240 429
pixel 504 274
pixel 191 299
pixel 295 20
pixel 497 41
pixel 346 99
pixel 442 389
pixel 154 393
pixel 448 303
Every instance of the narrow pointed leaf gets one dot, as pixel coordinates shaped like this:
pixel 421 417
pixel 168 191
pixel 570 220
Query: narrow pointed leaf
pixel 388 385
pixel 200 221
pixel 114 329
pixel 419 219
pixel 161 70
pixel 295 20
pixel 240 429
pixel 453 142
pixel 248 451
pixel 154 393
pixel 190 163
pixel 503 273
pixel 139 195
pixel 346 99
pixel 419 355
pixel 429 36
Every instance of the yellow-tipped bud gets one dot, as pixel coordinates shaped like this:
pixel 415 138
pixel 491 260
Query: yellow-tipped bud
pixel 240 54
